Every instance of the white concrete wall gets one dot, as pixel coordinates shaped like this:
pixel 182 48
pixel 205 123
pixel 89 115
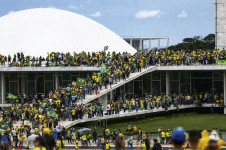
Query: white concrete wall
pixel 220 24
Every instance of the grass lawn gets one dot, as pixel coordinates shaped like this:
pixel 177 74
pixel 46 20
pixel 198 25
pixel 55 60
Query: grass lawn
pixel 188 121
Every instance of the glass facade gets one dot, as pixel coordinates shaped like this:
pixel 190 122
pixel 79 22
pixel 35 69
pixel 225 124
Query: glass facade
pixel 180 82
pixel 40 83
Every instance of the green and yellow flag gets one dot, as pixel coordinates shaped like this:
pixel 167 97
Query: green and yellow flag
pixel 11 96
pixel 51 113
pixel 105 48
pixel 81 80
pixel 51 64
pixel 103 70
pixel 5 126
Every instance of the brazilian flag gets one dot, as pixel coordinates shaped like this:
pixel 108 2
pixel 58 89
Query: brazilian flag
pixel 103 70
pixel 52 64
pixel 5 126
pixel 105 48
pixel 81 80
pixel 51 114
pixel 11 96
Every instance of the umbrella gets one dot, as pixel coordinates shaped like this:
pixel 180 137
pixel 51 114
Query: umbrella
pixel 83 130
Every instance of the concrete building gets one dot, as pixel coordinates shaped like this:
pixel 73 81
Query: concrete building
pixel 138 42
pixel 156 80
pixel 220 16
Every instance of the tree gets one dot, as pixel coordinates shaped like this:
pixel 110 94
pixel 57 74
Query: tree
pixel 195 43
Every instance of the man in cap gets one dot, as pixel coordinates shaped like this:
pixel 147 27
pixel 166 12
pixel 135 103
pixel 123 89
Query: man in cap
pixel 178 138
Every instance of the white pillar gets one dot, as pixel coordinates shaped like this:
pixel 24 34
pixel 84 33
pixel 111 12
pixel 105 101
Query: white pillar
pixel 131 42
pixel 225 91
pixel 111 95
pixel 103 100
pixel 167 43
pixel 56 81
pixel 3 87
pixel 159 44
pixel 167 83
pixel 141 44
pixel 22 84
pixel 149 44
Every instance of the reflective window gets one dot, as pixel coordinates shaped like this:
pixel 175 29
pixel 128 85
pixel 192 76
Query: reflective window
pixel 156 75
pixel 156 87
pixel 147 85
pixel 40 84
pixel 14 88
pixel 185 82
pixel 174 87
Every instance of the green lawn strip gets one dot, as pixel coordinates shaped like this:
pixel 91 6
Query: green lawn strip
pixel 188 121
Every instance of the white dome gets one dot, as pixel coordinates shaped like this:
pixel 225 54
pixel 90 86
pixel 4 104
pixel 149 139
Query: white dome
pixel 38 31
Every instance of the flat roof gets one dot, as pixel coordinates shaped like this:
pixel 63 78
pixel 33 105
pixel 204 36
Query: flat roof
pixel 145 37
pixel 90 68
pixel 48 69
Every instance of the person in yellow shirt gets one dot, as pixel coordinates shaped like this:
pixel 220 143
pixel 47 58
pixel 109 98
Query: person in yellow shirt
pixel 60 143
pixel 163 136
pixel 107 146
pixel 39 144
pixel 203 142
pixel 76 146
pixel 167 137
pixel 21 140
pixel 144 136
pixel 102 142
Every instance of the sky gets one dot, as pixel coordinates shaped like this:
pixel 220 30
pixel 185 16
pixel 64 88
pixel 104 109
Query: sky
pixel 177 19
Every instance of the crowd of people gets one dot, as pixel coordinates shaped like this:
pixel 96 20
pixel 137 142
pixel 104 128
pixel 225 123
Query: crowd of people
pixel 163 57
pixel 114 67
pixel 65 108
pixel 178 137
pixel 38 115
pixel 41 115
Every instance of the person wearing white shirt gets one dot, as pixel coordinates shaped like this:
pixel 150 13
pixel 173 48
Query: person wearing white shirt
pixel 31 139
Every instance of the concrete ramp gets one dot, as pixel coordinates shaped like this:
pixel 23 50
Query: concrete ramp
pixel 104 91
pixel 68 124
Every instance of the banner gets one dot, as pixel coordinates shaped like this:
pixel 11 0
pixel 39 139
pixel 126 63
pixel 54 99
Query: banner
pixel 222 62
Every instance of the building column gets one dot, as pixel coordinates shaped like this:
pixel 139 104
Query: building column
pixel 167 43
pixel 167 83
pixel 225 91
pixel 3 87
pixel 111 95
pixel 141 45
pixel 103 100
pixel 131 42
pixel 149 44
pixel 159 44
pixel 56 81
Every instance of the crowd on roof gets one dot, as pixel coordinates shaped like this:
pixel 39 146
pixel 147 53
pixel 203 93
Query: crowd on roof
pixel 163 57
